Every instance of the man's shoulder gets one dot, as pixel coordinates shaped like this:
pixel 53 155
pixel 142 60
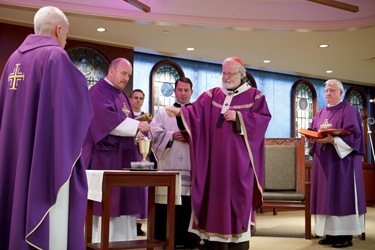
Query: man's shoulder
pixel 211 92
pixel 100 90
pixel 161 116
pixel 161 112
pixel 41 43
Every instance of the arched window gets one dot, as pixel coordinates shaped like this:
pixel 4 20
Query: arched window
pixel 357 98
pixel 163 76
pixel 250 80
pixel 304 107
pixel 90 62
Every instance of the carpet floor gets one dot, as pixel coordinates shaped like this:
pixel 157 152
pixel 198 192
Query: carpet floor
pixel 286 231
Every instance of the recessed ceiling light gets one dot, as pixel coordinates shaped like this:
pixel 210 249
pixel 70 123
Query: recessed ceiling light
pixel 266 61
pixel 190 49
pixel 165 31
pixel 329 71
pixel 323 45
pixel 100 29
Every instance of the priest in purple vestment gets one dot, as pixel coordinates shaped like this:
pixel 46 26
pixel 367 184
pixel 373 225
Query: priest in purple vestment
pixel 337 186
pixel 225 128
pixel 110 145
pixel 45 112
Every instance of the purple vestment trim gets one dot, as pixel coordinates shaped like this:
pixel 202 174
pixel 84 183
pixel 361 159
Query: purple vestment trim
pixel 227 167
pixel 103 151
pixel 332 184
pixel 44 119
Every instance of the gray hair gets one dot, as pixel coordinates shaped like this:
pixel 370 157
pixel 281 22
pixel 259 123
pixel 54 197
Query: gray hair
pixel 47 18
pixel 241 67
pixel 242 70
pixel 335 82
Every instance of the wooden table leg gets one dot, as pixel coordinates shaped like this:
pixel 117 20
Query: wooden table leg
pixel 106 206
pixel 88 225
pixel 171 214
pixel 151 215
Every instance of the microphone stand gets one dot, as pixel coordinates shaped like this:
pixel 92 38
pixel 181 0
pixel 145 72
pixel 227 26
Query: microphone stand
pixel 371 121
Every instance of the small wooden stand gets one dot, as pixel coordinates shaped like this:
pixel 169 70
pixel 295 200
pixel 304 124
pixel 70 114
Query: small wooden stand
pixel 151 179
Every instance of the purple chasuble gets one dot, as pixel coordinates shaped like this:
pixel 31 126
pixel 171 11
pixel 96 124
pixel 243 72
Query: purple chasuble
pixel 227 167
pixel 332 184
pixel 102 151
pixel 45 112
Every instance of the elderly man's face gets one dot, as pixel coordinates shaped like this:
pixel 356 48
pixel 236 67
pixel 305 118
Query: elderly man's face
pixel 231 75
pixel 333 93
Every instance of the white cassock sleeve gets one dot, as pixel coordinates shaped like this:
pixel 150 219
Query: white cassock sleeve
pixel 341 147
pixel 128 127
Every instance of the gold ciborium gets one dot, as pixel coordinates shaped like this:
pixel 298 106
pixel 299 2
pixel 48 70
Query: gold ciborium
pixel 144 149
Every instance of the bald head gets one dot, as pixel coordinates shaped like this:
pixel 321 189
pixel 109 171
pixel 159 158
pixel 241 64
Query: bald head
pixel 119 73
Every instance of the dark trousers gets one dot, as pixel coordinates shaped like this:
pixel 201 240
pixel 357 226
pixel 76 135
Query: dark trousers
pixel 182 238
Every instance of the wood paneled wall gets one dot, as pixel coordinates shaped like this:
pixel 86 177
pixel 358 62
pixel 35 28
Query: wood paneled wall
pixel 11 37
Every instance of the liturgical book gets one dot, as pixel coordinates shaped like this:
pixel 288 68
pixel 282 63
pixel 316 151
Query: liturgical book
pixel 323 133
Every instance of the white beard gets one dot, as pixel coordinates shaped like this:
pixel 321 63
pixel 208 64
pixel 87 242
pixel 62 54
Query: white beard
pixel 231 85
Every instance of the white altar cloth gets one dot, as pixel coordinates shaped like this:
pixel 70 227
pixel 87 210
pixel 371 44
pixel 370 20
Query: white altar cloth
pixel 95 180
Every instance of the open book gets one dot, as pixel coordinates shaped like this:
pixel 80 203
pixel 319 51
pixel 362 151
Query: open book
pixel 323 133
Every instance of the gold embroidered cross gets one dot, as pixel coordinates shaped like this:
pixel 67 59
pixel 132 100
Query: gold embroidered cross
pixel 14 77
pixel 325 124
pixel 125 110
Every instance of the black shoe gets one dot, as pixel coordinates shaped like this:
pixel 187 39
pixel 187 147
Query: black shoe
pixel 326 241
pixel 140 232
pixel 343 244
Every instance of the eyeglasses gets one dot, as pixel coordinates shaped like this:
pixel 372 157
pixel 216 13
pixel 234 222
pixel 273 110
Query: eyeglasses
pixel 326 91
pixel 228 74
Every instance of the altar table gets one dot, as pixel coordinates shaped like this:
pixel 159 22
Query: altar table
pixel 129 178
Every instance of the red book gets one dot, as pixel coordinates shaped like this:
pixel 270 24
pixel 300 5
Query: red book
pixel 323 133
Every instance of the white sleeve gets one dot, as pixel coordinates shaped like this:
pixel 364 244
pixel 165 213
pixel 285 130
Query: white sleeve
pixel 162 134
pixel 341 147
pixel 128 127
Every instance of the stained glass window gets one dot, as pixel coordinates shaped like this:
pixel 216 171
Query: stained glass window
pixel 356 100
pixel 304 96
pixel 165 75
pixel 90 62
pixel 304 108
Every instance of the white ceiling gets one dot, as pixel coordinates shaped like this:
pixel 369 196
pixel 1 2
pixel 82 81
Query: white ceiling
pixel 287 32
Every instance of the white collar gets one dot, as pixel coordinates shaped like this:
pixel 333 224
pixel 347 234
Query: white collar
pixel 230 94
pixel 328 105
pixel 238 91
